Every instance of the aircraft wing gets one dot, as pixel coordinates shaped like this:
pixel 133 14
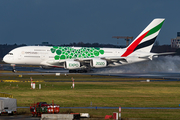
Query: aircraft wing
pixel 53 63
pixel 115 59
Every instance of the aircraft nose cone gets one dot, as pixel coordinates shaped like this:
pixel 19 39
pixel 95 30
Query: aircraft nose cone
pixel 5 59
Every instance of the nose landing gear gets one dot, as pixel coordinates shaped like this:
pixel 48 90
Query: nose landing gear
pixel 13 66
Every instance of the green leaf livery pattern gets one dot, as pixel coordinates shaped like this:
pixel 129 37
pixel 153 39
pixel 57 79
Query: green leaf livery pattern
pixel 71 53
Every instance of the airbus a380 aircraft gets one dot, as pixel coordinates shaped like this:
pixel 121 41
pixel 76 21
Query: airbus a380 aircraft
pixel 82 59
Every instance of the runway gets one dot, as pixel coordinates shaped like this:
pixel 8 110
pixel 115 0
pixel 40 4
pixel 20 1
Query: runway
pixel 167 76
pixel 163 75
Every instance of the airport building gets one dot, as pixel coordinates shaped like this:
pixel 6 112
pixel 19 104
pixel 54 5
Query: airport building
pixel 175 43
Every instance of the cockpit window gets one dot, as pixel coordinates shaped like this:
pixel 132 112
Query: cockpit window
pixel 10 53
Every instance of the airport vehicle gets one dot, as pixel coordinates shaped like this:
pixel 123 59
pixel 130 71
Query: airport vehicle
pixel 8 106
pixel 82 59
pixel 42 107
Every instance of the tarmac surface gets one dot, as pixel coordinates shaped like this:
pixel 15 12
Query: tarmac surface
pixel 26 117
pixel 18 117
pixel 167 76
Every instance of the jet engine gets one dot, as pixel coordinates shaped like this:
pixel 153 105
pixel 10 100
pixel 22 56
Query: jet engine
pixel 98 63
pixel 72 65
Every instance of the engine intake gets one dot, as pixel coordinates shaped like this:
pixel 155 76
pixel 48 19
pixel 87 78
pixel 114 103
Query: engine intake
pixel 98 63
pixel 72 65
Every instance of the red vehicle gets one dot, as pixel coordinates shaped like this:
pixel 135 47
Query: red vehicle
pixel 53 109
pixel 42 107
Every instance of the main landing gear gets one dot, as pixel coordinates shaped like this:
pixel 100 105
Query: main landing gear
pixel 78 71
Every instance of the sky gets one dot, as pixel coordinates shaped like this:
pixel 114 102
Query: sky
pixel 89 21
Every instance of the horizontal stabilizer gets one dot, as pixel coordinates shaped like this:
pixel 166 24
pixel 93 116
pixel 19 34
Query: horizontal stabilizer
pixel 166 53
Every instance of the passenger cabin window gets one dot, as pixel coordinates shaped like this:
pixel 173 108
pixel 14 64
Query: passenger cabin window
pixel 39 50
pixel 108 52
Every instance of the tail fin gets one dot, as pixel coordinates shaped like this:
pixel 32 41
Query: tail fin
pixel 145 40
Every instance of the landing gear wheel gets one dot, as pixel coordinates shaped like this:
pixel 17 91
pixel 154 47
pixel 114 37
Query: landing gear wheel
pixel 13 66
pixel 77 71
pixel 14 71
pixel 72 71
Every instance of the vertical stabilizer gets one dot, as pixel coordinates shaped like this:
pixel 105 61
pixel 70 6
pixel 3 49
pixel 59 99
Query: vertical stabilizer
pixel 145 40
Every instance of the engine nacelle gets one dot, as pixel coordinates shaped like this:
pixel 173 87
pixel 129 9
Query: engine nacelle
pixel 72 65
pixel 98 63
